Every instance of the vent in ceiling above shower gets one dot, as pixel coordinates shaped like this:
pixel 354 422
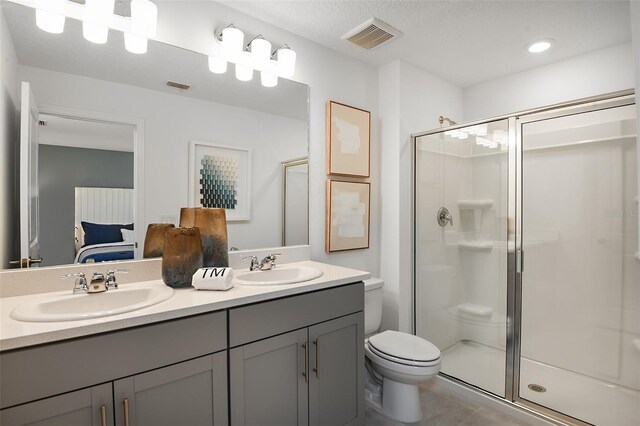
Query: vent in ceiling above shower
pixel 371 34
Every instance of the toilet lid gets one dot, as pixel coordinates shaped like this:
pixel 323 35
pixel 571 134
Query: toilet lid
pixel 404 346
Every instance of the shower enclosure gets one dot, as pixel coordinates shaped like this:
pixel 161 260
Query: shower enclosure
pixel 527 272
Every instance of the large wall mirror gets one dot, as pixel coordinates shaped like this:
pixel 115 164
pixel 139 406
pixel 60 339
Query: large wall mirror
pixel 122 124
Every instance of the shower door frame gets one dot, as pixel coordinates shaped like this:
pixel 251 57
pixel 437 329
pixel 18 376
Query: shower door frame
pixel 516 257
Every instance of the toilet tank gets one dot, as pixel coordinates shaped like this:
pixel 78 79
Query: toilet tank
pixel 372 305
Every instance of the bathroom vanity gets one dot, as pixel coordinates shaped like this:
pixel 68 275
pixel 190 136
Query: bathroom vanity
pixel 288 354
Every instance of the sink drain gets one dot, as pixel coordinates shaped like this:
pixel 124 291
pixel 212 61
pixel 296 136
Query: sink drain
pixel 537 388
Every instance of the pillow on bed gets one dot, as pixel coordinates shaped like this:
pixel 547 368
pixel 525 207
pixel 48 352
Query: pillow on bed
pixel 128 236
pixel 99 233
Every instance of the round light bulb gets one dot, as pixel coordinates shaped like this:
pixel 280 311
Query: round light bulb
pixel 268 78
pixel 50 16
pixel 244 72
pixel 539 46
pixel 232 42
pixel 98 15
pixel 260 53
pixel 135 43
pixel 144 17
pixel 217 65
pixel 286 62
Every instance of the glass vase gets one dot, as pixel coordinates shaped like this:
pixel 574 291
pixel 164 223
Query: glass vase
pixel 212 224
pixel 181 256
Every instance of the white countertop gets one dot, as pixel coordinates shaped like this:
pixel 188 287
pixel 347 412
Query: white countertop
pixel 185 302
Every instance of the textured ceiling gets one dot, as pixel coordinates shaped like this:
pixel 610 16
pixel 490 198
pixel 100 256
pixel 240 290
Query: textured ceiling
pixel 465 42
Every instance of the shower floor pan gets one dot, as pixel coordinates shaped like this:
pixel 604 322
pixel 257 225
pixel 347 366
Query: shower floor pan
pixel 591 400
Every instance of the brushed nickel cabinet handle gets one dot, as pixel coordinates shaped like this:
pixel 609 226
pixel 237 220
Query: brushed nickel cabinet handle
pixel 125 402
pixel 103 415
pixel 306 363
pixel 315 342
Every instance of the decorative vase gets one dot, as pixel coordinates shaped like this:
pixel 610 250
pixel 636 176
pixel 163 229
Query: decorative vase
pixel 181 256
pixel 212 224
pixel 154 239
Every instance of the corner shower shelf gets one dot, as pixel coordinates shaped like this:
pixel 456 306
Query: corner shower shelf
pixel 475 245
pixel 475 204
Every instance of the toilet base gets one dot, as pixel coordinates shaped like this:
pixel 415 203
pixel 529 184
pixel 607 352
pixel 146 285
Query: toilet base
pixel 401 401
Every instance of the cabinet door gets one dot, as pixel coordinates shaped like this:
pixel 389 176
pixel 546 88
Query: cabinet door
pixel 268 381
pixel 188 393
pixel 336 383
pixel 92 406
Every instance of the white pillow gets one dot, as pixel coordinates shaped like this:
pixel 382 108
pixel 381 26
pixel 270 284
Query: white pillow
pixel 128 236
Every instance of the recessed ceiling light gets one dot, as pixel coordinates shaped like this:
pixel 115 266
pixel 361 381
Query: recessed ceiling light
pixel 539 45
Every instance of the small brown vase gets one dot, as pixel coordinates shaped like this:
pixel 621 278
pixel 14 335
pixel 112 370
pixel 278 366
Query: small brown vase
pixel 181 257
pixel 154 239
pixel 212 224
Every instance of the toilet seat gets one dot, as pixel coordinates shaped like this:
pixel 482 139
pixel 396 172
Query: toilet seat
pixel 404 348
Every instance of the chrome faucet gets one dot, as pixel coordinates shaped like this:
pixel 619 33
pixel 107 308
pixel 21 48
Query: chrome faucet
pixel 269 262
pixel 255 265
pixel 80 285
pixel 98 284
pixel 111 282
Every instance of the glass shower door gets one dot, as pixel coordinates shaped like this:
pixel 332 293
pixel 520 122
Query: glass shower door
pixel 580 312
pixel 461 190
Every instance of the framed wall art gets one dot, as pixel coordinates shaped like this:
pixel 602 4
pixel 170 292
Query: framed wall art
pixel 348 140
pixel 347 216
pixel 220 176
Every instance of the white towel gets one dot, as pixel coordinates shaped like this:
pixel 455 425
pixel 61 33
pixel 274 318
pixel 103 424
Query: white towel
pixel 213 278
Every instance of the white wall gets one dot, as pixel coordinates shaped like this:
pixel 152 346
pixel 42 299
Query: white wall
pixel 9 126
pixel 330 76
pixel 411 100
pixel 595 73
pixel 170 122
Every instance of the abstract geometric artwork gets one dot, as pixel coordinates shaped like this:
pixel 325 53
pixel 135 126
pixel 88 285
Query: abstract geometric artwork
pixel 219 178
pixel 348 140
pixel 347 221
pixel 218 182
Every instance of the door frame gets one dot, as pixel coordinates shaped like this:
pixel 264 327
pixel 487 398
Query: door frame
pixel 138 155
pixel 514 283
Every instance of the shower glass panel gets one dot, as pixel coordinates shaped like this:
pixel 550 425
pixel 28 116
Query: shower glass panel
pixel 580 328
pixel 461 259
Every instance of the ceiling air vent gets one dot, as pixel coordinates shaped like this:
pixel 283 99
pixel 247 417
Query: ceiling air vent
pixel 177 85
pixel 371 34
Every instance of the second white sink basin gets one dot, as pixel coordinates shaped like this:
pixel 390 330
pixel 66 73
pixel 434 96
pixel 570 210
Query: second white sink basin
pixel 73 307
pixel 282 274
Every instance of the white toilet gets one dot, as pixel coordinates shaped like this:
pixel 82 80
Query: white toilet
pixel 401 360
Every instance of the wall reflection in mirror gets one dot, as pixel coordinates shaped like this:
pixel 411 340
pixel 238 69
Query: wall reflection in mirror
pixel 108 120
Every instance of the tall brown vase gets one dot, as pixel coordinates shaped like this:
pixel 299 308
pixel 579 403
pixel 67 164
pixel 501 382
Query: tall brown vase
pixel 213 229
pixel 154 239
pixel 181 256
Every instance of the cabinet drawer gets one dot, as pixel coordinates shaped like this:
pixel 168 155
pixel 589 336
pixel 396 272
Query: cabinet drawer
pixel 38 372
pixel 254 322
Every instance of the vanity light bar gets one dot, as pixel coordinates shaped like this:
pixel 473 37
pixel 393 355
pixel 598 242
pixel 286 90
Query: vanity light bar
pixel 97 18
pixel 255 55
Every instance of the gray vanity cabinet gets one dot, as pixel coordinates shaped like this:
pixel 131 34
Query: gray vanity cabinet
pixel 87 407
pixel 172 373
pixel 309 376
pixel 336 387
pixel 189 393
pixel 268 385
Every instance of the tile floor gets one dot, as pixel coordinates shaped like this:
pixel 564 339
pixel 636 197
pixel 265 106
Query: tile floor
pixel 442 407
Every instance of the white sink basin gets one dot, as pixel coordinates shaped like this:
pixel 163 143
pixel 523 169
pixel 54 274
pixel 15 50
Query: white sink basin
pixel 73 307
pixel 282 274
